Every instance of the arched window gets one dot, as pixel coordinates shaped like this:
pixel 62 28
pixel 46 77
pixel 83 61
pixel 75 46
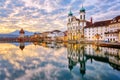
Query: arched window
pixel 69 19
pixel 80 16
pixel 84 17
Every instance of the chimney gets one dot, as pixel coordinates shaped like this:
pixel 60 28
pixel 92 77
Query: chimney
pixel 91 20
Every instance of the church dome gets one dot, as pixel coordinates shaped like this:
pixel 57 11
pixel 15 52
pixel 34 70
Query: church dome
pixel 82 9
pixel 70 13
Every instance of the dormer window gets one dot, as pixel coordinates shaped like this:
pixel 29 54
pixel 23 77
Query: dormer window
pixel 114 20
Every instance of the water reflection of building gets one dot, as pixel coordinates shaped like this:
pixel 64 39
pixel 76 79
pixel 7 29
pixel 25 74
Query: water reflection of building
pixel 78 53
pixel 49 45
pixel 22 45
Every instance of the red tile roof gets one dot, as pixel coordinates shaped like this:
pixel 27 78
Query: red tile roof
pixel 115 20
pixel 104 23
pixel 97 24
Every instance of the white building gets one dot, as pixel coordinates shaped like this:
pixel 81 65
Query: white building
pixel 112 33
pixel 96 28
pixel 107 30
pixel 55 34
pixel 76 25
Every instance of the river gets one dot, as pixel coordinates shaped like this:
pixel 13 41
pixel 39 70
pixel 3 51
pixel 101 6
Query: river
pixel 55 61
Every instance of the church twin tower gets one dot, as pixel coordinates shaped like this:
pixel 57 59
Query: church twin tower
pixel 82 14
pixel 75 26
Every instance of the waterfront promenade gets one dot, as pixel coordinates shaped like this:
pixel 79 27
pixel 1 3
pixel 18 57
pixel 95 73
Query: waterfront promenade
pixel 99 43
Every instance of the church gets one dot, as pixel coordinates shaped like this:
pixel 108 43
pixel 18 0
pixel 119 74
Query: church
pixel 76 26
pixel 79 29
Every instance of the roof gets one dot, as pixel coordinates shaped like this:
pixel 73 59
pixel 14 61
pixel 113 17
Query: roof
pixel 82 9
pixel 22 31
pixel 97 24
pixel 88 23
pixel 104 23
pixel 115 20
pixel 117 17
pixel 74 18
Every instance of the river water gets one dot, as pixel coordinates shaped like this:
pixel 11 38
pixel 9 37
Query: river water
pixel 55 61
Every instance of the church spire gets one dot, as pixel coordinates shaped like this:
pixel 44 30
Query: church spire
pixel 70 13
pixel 82 9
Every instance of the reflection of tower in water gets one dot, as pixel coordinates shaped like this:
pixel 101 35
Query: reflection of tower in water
pixel 76 55
pixel 82 61
pixel 22 45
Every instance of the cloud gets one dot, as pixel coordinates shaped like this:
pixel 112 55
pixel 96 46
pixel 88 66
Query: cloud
pixel 47 15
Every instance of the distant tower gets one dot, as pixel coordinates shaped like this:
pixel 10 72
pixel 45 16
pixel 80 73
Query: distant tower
pixel 21 33
pixel 21 36
pixel 91 20
pixel 70 14
pixel 82 60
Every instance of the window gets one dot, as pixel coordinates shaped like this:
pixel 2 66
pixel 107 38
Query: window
pixel 113 39
pixel 84 16
pixel 69 20
pixel 80 16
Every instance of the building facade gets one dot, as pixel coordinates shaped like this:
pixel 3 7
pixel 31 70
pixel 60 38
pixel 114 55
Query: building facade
pixel 113 30
pixel 76 25
pixel 106 30
pixel 100 28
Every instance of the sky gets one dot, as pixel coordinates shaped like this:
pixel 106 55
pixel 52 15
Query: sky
pixel 48 15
